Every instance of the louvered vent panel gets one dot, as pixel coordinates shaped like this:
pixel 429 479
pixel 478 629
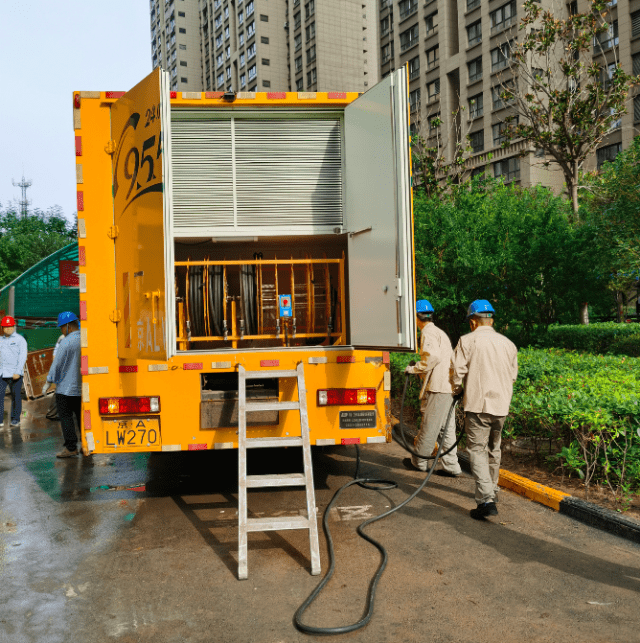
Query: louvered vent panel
pixel 201 162
pixel 288 172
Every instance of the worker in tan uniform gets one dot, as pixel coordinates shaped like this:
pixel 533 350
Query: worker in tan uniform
pixel 436 395
pixel 487 363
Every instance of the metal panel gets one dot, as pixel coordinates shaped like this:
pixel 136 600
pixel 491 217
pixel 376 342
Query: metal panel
pixel 378 217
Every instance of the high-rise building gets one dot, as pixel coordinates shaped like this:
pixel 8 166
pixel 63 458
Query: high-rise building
pixel 457 51
pixel 266 45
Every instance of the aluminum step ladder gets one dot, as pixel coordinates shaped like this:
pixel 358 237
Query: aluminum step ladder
pixel 246 524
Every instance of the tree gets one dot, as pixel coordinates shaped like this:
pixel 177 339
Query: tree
pixel 565 85
pixel 24 241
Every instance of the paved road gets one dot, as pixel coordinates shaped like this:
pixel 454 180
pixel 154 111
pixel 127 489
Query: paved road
pixel 137 548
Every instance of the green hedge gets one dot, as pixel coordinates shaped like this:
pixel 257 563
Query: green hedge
pixel 606 337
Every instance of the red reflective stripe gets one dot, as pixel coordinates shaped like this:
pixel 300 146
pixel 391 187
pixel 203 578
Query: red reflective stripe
pixel 276 95
pixel 78 145
pixel 86 422
pixel 76 101
pixel 128 369
pixel 193 366
pixel 82 256
pixel 114 94
pixel 346 359
pixel 84 365
pixel 269 362
pixel 80 201
pixel 385 357
pixel 173 95
pixel 83 311
pixel 213 94
pixel 197 447
pixel 334 95
pixel 350 441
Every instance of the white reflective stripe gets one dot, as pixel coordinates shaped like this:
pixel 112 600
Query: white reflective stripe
pixel 171 447
pixel 77 121
pixel 246 95
pixel 191 95
pixel 306 95
pixel 83 282
pixel 89 94
pixel 376 439
pixel 90 442
pixel 223 445
pixel 317 360
pixel 84 342
pixel 85 392
pixel 97 370
pixel 220 364
pixel 158 367
pixel 387 381
pixel 79 175
pixel 325 442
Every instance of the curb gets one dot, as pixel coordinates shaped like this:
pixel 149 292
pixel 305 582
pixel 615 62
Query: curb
pixel 564 503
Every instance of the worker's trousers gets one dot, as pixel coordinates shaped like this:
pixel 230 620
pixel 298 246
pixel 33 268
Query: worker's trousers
pixel 435 409
pixel 484 434
pixel 68 406
pixel 15 389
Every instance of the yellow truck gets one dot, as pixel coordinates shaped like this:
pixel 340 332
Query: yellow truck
pixel 262 230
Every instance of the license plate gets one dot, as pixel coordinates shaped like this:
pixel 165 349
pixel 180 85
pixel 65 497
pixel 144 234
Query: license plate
pixel 357 419
pixel 140 433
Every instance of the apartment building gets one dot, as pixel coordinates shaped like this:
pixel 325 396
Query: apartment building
pixel 457 52
pixel 267 45
pixel 175 42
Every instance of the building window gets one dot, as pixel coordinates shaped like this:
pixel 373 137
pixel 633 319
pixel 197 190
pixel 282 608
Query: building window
pixel 433 88
pixel 573 8
pixel 414 68
pixel 386 53
pixel 240 18
pixel 309 9
pixel 298 64
pixel 414 100
pixel 385 25
pixel 181 30
pixel 181 14
pixel 226 33
pixel 183 79
pixel 474 32
pixel 433 57
pixel 242 59
pixel 243 80
pixel 609 38
pixel 249 9
pixel 264 40
pixel 218 22
pixel 472 4
pixel 311 31
pixel 407 8
pixel 183 47
pixel 183 63
pixel 253 89
pixel 251 51
pixel 228 52
pixel 226 12
pixel 499 131
pixel 266 83
pixel 409 38
pixel 509 169
pixel 251 29
pixel 503 17
pixel 297 42
pixel 219 41
pixel 228 72
pixel 264 18
pixel 219 60
pixel 476 106
pixel 241 39
pixel 496 95
pixel 299 85
pixel 297 20
pixel 500 56
pixel 635 24
pixel 608 153
pixel 312 76
pixel 265 62
pixel 220 79
pixel 475 69
pixel 617 123
pixel 636 109
pixel 430 22
pixel 311 54
pixel 476 141
pixel 434 123
pixel 252 72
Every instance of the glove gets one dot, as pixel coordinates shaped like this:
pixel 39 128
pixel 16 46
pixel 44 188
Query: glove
pixel 409 370
pixel 16 376
pixel 458 393
pixel 46 387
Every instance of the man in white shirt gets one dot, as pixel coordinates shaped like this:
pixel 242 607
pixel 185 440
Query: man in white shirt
pixel 487 363
pixel 435 395
pixel 13 356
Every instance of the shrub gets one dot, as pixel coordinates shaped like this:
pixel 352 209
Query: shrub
pixel 623 339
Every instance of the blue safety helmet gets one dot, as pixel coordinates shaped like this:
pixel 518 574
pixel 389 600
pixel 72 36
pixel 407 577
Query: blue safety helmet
pixel 424 306
pixel 66 318
pixel 480 307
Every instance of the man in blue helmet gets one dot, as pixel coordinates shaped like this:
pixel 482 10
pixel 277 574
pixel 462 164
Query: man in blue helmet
pixel 65 374
pixel 487 363
pixel 436 395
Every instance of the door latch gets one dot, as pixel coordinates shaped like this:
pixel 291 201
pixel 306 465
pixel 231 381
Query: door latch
pixel 113 232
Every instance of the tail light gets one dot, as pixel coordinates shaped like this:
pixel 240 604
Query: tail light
pixel 128 405
pixel 346 396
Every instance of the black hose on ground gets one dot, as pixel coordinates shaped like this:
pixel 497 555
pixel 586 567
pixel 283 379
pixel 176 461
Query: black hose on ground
pixel 375 484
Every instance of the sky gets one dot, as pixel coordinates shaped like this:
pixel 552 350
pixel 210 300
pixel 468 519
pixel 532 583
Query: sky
pixel 49 49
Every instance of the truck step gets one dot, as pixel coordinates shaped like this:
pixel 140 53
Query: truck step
pixel 272 406
pixel 264 375
pixel 281 480
pixel 277 523
pixel 262 443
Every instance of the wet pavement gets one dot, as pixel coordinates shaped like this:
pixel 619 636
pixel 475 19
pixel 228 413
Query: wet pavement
pixel 137 547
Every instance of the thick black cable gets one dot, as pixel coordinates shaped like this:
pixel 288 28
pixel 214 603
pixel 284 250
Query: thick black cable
pixel 368 613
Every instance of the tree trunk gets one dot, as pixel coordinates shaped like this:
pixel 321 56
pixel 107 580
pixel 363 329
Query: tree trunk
pixel 584 313
pixel 572 189
pixel 619 307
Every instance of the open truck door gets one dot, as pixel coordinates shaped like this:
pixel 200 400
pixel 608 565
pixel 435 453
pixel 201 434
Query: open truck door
pixel 140 123
pixel 378 217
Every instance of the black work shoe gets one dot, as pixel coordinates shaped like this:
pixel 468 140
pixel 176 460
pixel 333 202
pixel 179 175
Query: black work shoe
pixel 409 465
pixel 65 453
pixel 443 473
pixel 484 510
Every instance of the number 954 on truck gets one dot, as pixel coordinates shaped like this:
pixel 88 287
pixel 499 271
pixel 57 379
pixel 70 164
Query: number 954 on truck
pixel 236 250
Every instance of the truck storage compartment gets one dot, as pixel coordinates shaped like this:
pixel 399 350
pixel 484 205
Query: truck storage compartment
pixel 267 293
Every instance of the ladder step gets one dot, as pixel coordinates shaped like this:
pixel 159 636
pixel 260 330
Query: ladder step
pixel 276 523
pixel 265 375
pixel 272 406
pixel 262 443
pixel 273 480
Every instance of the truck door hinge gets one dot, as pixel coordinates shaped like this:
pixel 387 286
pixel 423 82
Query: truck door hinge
pixel 110 147
pixel 113 232
pixel 399 287
pixel 115 316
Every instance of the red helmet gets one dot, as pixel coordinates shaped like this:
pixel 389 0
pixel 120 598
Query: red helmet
pixel 7 321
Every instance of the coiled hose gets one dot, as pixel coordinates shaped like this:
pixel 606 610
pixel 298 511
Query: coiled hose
pixel 375 484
